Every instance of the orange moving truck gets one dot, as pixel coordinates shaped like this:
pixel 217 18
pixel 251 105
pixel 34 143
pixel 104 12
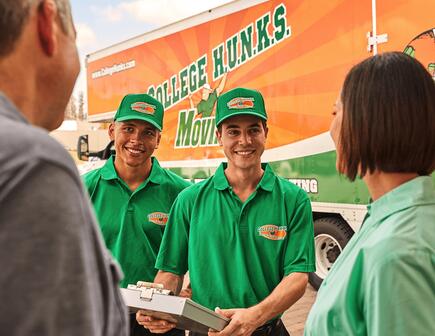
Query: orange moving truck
pixel 296 52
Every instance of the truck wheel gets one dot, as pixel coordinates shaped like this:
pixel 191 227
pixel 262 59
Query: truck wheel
pixel 331 235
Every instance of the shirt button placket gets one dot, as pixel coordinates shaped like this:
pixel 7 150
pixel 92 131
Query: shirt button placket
pixel 130 208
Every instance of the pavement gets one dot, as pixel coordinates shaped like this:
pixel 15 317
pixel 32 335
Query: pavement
pixel 294 318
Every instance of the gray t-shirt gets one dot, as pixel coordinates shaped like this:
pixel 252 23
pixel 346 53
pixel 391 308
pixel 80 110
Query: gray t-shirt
pixel 56 276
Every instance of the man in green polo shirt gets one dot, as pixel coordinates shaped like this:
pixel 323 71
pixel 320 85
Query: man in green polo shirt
pixel 132 194
pixel 245 235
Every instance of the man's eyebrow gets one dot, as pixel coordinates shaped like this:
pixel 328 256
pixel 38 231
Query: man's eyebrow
pixel 237 126
pixel 233 126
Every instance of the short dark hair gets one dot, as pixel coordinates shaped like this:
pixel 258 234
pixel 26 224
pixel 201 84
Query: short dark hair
pixel 13 16
pixel 388 117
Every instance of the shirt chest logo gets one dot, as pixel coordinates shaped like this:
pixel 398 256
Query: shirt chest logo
pixel 272 232
pixel 159 218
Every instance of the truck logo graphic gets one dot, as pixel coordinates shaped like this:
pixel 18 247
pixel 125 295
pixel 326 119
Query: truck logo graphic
pixel 143 108
pixel 422 47
pixel 241 103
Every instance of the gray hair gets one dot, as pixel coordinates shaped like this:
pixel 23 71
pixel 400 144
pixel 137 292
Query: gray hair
pixel 15 13
pixel 64 12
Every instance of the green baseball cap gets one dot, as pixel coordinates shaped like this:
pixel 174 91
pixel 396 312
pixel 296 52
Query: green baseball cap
pixel 141 107
pixel 240 101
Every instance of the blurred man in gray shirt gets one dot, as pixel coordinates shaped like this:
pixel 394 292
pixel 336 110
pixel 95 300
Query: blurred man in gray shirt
pixel 56 276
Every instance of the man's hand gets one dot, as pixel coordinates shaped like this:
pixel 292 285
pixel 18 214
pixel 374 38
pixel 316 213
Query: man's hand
pixel 154 325
pixel 186 292
pixel 243 322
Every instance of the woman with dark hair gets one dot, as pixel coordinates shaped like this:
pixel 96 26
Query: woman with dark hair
pixel 384 131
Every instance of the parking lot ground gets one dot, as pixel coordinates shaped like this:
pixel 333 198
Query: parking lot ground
pixel 294 318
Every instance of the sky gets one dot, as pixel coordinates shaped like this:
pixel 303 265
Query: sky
pixel 102 23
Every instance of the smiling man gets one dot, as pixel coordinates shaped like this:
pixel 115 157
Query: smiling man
pixel 245 235
pixel 132 194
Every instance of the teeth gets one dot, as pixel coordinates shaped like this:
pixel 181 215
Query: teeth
pixel 134 151
pixel 245 153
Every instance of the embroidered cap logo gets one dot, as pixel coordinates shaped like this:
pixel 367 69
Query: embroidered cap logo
pixel 143 107
pixel 241 103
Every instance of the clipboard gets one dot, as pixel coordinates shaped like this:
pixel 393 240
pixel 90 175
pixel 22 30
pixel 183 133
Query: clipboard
pixel 185 313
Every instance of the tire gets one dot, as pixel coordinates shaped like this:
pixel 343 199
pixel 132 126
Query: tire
pixel 331 235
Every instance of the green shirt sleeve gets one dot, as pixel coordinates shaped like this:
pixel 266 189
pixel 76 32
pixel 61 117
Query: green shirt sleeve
pixel 173 253
pixel 400 296
pixel 299 255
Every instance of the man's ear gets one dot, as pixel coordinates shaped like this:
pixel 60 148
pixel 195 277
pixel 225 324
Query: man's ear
pixel 47 26
pixel 219 137
pixel 111 131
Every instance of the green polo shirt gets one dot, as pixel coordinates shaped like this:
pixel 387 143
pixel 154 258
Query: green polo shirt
pixel 133 223
pixel 206 106
pixel 384 281
pixel 237 253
